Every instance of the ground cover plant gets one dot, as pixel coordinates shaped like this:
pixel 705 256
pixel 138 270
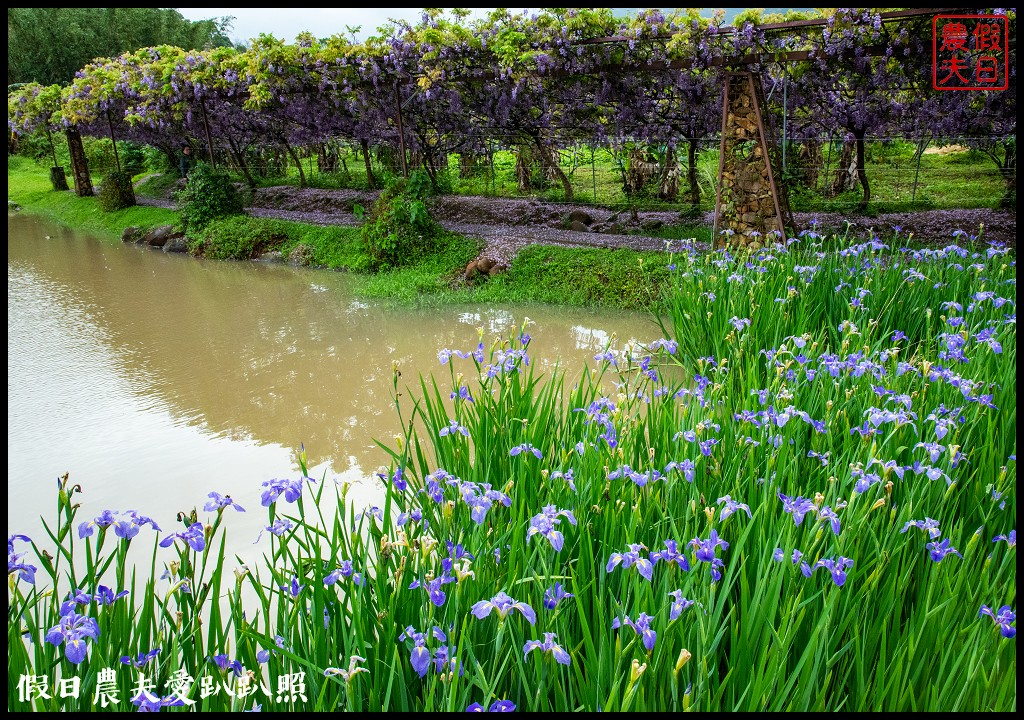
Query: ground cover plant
pixel 802 497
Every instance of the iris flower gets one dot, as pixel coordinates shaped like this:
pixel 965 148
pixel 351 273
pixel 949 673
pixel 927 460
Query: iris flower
pixel 641 627
pixel 502 604
pixel 548 645
pixel 72 630
pixel 1003 617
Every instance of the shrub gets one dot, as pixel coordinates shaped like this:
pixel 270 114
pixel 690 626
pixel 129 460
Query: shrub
pixel 116 192
pixel 208 194
pixel 399 227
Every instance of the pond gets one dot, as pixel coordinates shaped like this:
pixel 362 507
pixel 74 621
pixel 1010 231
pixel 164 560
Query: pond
pixel 155 378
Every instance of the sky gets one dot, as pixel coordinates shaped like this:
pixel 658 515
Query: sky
pixel 286 23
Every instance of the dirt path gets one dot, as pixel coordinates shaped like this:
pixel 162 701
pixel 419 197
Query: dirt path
pixel 506 225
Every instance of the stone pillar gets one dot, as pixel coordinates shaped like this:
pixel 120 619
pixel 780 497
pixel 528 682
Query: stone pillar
pixel 751 202
pixel 79 164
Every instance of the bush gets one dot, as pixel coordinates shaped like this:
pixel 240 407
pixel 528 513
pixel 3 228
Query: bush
pixel 400 227
pixel 116 192
pixel 208 194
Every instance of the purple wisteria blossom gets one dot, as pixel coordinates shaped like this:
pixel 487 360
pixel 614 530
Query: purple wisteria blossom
pixel 928 525
pixel 679 603
pixel 193 536
pixel 632 557
pixel 527 448
pixel 939 550
pixel 502 604
pixel 453 427
pixel 1002 618
pixel 544 522
pixel 72 630
pixel 798 506
pixel 553 594
pixel 548 645
pixel 732 506
pixel 218 502
pixel 641 627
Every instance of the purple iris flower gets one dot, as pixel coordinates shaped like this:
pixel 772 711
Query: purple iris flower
pixel 706 548
pixel 142 660
pixel 132 522
pixel 193 536
pixel 679 603
pixel 732 506
pixel 292 490
pixel 78 597
pixel 553 594
pixel 344 569
pixel 27 572
pixel 147 702
pixel 928 525
pixel 502 604
pixel 294 589
pixel 279 527
pixel 433 587
pixel 632 557
pixel 397 479
pixel 641 627
pixel 453 427
pixel 526 447
pixel 223 663
pixel 106 596
pixel 1003 617
pixel 778 555
pixel 838 568
pixel 827 513
pixel 548 645
pixel 706 445
pixel 462 394
pixel 102 521
pixel 939 550
pixel 72 630
pixel 798 506
pixel 1010 538
pixel 544 522
pixel 497 706
pixel 218 502
pixel 671 554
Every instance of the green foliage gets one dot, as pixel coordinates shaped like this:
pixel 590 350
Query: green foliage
pixel 208 194
pixel 116 192
pixel 400 227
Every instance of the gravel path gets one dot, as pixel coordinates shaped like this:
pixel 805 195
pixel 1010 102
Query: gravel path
pixel 506 225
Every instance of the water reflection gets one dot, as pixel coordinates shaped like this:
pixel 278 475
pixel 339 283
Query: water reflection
pixel 156 378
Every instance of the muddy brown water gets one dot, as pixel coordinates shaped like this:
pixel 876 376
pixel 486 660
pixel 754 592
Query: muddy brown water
pixel 154 379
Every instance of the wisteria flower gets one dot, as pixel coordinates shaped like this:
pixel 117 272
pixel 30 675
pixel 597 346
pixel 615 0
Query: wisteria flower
pixel 554 594
pixel 641 627
pixel 502 604
pixel 939 550
pixel 548 645
pixel 1002 618
pixel 219 502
